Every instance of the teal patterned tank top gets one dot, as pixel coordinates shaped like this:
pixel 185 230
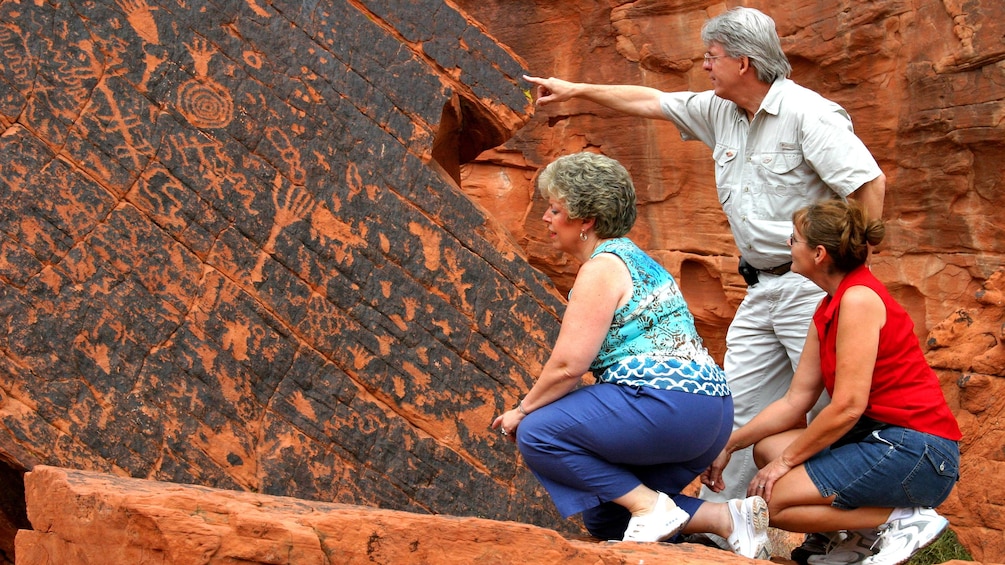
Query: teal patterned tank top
pixel 652 341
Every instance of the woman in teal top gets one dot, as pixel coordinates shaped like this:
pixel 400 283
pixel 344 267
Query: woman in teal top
pixel 620 451
pixel 652 341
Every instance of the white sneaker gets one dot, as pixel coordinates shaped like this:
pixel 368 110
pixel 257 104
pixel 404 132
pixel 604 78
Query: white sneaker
pixel 854 547
pixel 750 527
pixel 664 522
pixel 901 538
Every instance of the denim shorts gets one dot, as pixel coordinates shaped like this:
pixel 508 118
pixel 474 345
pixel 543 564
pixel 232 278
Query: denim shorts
pixel 893 467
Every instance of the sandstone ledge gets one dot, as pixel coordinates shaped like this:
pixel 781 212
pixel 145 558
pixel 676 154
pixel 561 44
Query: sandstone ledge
pixel 83 517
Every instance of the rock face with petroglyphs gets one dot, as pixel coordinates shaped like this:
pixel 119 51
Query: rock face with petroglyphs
pixel 234 253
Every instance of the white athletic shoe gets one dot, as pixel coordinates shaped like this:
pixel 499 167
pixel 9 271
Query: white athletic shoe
pixel 853 548
pixel 901 538
pixel 664 522
pixel 750 527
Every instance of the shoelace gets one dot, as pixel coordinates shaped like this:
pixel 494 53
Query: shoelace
pixel 883 530
pixel 832 544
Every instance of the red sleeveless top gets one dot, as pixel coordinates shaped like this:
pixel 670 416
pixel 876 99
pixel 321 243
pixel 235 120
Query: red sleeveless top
pixel 905 390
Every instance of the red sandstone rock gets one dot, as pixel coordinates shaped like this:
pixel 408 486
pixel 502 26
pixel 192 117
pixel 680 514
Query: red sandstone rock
pixel 83 518
pixel 968 350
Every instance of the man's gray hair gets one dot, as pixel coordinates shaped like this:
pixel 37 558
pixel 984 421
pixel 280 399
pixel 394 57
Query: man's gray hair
pixel 746 32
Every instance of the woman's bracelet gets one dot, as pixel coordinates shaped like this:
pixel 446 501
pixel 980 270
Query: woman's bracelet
pixel 519 407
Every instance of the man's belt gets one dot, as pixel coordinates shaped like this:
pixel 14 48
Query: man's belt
pixel 779 270
pixel 750 273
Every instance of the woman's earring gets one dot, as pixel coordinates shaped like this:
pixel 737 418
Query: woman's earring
pixel 583 236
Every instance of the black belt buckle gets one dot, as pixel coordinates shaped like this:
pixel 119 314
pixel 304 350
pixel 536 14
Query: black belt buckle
pixel 748 272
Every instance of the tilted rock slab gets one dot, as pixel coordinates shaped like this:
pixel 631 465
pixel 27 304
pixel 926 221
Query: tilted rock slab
pixel 81 518
pixel 233 252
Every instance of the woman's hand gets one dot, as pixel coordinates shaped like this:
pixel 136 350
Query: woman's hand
pixel 507 423
pixel 765 479
pixel 712 477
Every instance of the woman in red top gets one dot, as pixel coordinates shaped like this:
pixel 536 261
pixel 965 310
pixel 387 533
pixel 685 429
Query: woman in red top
pixel 876 459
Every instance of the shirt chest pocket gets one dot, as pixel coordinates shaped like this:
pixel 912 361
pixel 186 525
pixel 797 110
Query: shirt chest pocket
pixel 779 165
pixel 728 172
pixel 782 178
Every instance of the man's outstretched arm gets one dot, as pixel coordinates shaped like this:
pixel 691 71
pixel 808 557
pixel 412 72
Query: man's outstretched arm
pixel 641 101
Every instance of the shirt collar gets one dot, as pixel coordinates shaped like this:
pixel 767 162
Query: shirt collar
pixel 773 99
pixel 771 103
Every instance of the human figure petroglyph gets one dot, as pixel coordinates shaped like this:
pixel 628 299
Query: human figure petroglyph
pixel 204 102
pixel 86 70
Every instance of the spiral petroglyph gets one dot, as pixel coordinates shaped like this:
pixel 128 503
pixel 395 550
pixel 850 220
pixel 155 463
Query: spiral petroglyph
pixel 205 104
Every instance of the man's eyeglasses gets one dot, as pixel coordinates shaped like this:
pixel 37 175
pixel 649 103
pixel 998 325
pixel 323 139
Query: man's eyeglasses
pixel 710 58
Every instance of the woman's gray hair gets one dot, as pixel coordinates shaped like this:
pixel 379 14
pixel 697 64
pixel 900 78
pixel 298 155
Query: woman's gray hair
pixel 746 32
pixel 592 186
